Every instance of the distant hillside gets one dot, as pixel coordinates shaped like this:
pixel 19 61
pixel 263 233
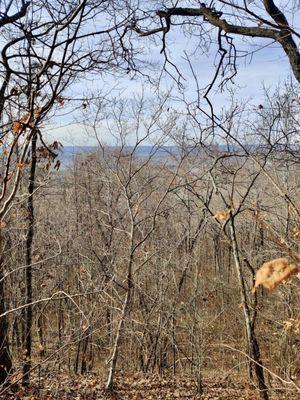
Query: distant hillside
pixel 67 154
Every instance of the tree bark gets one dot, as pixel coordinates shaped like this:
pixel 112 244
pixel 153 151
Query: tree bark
pixel 5 359
pixel 125 311
pixel 115 353
pixel 253 347
pixel 280 31
pixel 28 270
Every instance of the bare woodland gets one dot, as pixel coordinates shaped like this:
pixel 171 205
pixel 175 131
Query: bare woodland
pixel 171 272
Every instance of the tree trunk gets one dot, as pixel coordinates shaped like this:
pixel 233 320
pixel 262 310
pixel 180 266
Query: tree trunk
pixel 125 311
pixel 28 273
pixel 253 347
pixel 5 359
pixel 115 352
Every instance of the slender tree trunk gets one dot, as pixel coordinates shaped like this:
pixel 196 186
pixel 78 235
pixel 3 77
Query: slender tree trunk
pixel 84 356
pixel 76 363
pixel 28 273
pixel 253 347
pixel 115 352
pixel 174 341
pixel 5 359
pixel 125 311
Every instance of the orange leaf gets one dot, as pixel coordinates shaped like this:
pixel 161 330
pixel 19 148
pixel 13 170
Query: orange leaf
pixel 17 127
pixel 25 117
pixel 37 111
pixel 222 215
pixel 20 165
pixel 273 272
pixel 60 100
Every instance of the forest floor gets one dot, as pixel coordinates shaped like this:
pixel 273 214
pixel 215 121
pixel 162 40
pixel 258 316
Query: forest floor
pixel 136 387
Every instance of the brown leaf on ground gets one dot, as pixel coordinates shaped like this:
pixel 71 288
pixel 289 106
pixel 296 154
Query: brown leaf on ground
pixel 3 224
pixel 137 387
pixel 296 232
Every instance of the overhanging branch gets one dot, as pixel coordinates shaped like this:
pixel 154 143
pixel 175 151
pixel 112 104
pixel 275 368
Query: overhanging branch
pixel 6 19
pixel 282 35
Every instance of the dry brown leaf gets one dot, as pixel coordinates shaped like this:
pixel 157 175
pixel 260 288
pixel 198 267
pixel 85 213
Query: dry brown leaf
pixel 85 326
pixel 25 117
pixel 3 224
pixel 17 127
pixel 40 347
pixel 296 232
pixel 15 378
pixel 273 272
pixel 57 165
pixel 60 100
pixel 37 111
pixel 222 215
pixel 292 325
pixel 20 165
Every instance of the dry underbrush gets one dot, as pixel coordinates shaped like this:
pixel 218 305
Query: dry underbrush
pixel 136 387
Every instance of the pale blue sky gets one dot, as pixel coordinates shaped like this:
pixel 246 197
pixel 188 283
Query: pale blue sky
pixel 267 67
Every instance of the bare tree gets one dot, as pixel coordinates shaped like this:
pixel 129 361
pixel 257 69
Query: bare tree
pixel 219 24
pixel 46 46
pixel 133 125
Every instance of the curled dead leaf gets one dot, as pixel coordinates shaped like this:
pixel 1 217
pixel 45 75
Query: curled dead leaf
pixel 57 165
pixel 20 165
pixel 85 326
pixel 296 232
pixel 25 117
pixel 17 127
pixel 37 111
pixel 274 272
pixel 222 215
pixel 15 378
pixel 292 324
pixel 3 224
pixel 56 145
pixel 60 100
